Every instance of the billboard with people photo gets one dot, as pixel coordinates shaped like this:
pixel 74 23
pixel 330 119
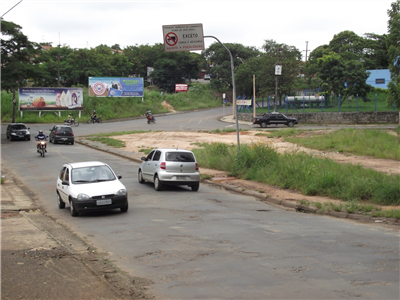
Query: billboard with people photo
pixel 115 87
pixel 50 98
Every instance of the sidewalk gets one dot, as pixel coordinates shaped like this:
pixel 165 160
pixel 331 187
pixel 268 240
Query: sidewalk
pixel 41 259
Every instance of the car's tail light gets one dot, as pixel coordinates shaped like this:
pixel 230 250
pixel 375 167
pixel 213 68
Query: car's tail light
pixel 255 119
pixel 163 166
pixel 72 133
pixel 197 166
pixel 55 132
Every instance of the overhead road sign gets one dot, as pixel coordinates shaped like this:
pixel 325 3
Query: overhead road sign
pixel 184 37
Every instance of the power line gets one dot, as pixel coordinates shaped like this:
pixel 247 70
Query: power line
pixel 11 8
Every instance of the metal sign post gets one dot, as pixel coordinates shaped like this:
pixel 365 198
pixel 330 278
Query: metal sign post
pixel 278 71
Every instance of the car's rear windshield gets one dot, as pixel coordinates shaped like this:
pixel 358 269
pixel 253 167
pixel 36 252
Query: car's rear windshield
pixel 179 156
pixel 17 127
pixel 64 129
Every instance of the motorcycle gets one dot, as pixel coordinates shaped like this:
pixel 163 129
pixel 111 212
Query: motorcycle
pixel 97 120
pixel 71 122
pixel 150 118
pixel 42 147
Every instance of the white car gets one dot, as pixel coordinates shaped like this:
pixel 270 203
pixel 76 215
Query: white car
pixel 90 186
pixel 164 166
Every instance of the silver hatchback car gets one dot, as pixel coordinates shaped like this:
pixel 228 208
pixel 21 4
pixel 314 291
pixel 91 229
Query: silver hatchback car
pixel 166 166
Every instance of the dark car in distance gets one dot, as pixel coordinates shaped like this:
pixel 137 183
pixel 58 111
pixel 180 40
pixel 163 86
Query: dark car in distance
pixel 61 134
pixel 275 118
pixel 18 131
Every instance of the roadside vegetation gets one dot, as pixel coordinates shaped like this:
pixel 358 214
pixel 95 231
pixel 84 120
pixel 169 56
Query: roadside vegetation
pixel 302 172
pixel 199 96
pixel 368 142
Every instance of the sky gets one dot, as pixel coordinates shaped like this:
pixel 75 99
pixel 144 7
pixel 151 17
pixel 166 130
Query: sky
pixel 305 24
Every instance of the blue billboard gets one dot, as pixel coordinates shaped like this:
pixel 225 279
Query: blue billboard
pixel 116 86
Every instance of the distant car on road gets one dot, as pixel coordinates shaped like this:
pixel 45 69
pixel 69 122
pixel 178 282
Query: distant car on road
pixel 207 77
pixel 275 118
pixel 164 166
pixel 90 186
pixel 18 131
pixel 61 133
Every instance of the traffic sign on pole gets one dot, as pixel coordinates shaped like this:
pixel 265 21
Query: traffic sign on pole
pixel 184 37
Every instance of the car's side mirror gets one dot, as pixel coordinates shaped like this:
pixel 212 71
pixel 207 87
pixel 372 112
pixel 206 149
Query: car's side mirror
pixel 144 158
pixel 65 182
pixel 119 176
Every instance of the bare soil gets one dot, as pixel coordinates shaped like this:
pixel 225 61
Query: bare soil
pixel 190 140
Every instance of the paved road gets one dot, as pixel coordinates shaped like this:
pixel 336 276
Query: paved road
pixel 212 243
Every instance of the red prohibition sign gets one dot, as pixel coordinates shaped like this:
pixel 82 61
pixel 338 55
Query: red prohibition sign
pixel 171 39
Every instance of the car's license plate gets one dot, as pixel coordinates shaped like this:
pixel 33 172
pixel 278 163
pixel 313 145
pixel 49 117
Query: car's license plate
pixel 64 139
pixel 104 202
pixel 181 177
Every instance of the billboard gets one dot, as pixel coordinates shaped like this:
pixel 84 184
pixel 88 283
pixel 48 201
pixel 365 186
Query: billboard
pixel 181 87
pixel 115 87
pixel 50 98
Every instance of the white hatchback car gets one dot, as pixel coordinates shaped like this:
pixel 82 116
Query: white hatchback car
pixel 166 166
pixel 90 186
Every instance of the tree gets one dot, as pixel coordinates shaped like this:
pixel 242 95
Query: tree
pixel 172 68
pixel 393 46
pixel 375 55
pixel 348 45
pixel 18 57
pixel 263 66
pixel 341 76
pixel 219 61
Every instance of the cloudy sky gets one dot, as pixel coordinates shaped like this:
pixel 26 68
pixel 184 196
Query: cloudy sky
pixel 89 23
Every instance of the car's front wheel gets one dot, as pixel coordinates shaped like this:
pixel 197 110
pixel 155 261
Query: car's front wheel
pixel 60 203
pixel 72 209
pixel 263 124
pixel 140 177
pixel 125 208
pixel 157 184
pixel 290 124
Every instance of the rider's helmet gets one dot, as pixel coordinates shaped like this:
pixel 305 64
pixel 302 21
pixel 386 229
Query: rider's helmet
pixel 70 114
pixel 94 111
pixel 40 131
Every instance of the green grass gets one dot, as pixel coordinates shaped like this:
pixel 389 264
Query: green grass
pixel 108 141
pixel 119 133
pixel 367 142
pixel 301 171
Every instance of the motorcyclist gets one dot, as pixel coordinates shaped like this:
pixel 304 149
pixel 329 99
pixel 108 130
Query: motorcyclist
pixel 41 137
pixel 70 118
pixel 94 116
pixel 149 115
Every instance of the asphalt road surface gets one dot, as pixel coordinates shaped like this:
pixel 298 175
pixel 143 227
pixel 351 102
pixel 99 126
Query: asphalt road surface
pixel 212 243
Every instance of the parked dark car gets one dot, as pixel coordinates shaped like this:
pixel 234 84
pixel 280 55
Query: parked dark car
pixel 61 134
pixel 18 131
pixel 275 118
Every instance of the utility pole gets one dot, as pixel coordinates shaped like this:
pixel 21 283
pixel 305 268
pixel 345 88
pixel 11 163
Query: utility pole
pixel 58 77
pixel 306 50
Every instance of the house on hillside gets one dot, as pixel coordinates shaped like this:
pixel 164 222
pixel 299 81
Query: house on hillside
pixel 379 78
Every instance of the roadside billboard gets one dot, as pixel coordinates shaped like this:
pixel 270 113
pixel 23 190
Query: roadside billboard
pixel 115 87
pixel 50 98
pixel 181 87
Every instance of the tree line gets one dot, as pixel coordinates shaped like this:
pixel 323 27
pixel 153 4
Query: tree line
pixel 339 67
